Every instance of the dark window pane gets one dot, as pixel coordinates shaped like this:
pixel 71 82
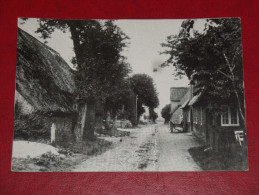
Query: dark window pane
pixel 233 113
pixel 224 115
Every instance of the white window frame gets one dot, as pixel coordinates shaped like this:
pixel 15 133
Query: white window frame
pixel 229 118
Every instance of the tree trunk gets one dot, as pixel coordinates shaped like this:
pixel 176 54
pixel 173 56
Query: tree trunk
pixel 114 125
pixel 108 121
pixel 76 42
pixel 99 116
pixel 88 131
pixel 89 125
pixel 239 103
pixel 232 78
pixel 240 111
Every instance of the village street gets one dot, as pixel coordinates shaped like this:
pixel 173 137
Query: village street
pixel 67 111
pixel 149 148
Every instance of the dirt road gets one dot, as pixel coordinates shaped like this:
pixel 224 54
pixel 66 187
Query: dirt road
pixel 150 148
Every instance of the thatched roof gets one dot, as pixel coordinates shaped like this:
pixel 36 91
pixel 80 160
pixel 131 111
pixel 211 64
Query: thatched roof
pixel 43 78
pixel 176 93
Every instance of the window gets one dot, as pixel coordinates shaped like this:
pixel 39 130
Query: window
pixel 234 116
pixel 229 116
pixel 224 115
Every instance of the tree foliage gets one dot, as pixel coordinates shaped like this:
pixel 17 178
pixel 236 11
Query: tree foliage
pixel 97 46
pixel 101 69
pixel 213 58
pixel 122 98
pixel 165 113
pixel 144 87
pixel 153 115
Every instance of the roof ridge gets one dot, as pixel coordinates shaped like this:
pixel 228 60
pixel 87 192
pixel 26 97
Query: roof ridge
pixel 45 45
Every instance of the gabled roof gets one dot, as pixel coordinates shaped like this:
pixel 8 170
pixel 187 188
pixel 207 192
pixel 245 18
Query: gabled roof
pixel 176 93
pixel 174 108
pixel 195 99
pixel 185 104
pixel 43 78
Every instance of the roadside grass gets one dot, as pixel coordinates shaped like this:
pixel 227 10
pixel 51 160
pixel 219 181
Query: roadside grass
pixel 68 158
pixel 232 159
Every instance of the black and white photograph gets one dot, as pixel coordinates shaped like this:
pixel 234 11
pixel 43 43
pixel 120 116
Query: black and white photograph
pixel 129 95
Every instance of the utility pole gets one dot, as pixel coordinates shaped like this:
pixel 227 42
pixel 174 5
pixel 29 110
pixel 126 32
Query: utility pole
pixel 136 109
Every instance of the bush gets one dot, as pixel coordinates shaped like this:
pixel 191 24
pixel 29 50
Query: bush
pixel 32 126
pixel 48 159
pixel 165 113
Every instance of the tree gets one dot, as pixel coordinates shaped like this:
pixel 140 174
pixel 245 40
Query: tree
pixel 99 64
pixel 121 98
pixel 165 113
pixel 213 58
pixel 153 115
pixel 105 68
pixel 103 65
pixel 144 87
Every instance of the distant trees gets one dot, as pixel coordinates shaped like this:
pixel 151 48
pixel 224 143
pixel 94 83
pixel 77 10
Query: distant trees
pixel 153 115
pixel 165 113
pixel 121 100
pixel 144 87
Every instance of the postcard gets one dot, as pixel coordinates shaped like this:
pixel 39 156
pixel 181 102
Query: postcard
pixel 129 96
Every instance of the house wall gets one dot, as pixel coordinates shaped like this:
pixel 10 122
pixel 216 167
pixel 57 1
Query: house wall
pixel 224 134
pixel 64 130
pixel 24 106
pixel 174 106
pixel 211 131
pixel 57 128
pixel 200 128
pixel 187 123
pixel 177 116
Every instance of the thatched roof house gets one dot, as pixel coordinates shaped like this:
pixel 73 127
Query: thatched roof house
pixel 176 96
pixel 44 81
pixel 44 95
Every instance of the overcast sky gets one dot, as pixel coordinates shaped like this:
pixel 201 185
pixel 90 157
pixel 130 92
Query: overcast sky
pixel 142 53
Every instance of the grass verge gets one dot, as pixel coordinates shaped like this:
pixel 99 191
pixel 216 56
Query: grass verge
pixel 231 159
pixel 64 162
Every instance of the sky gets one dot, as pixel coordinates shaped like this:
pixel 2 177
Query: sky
pixel 143 52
